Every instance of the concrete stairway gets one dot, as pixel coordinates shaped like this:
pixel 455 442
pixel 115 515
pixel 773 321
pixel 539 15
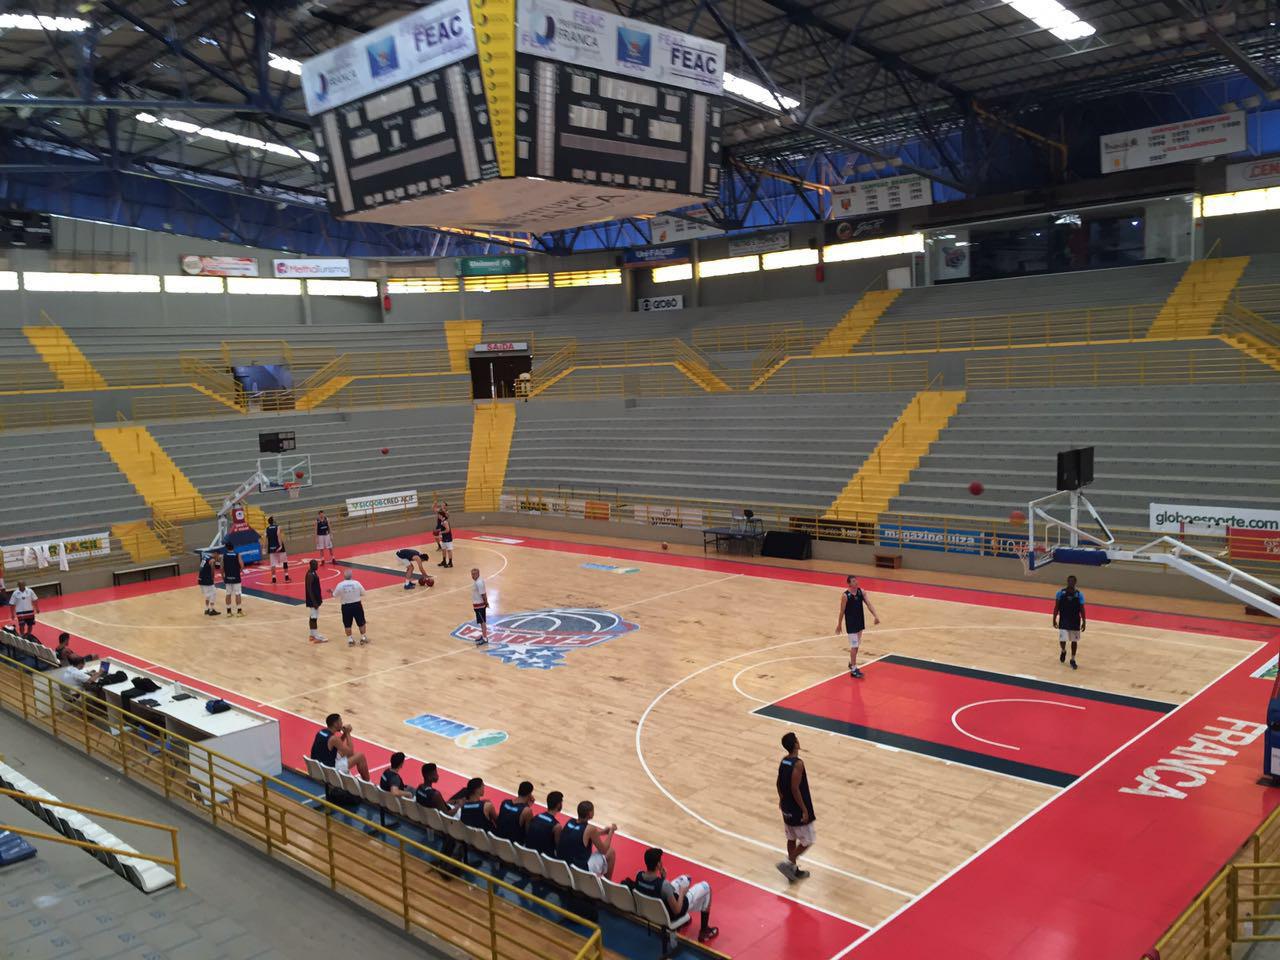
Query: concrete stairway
pixel 1193 307
pixel 153 474
pixel 60 353
pixel 491 434
pixel 854 325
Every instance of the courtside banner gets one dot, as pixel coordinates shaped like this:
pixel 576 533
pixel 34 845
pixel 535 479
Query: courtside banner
pixel 1253 544
pixel 76 548
pixel 381 503
pixel 1210 521
pixel 657 516
pixel 931 538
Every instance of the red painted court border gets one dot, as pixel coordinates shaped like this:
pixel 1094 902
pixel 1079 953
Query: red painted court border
pixel 977 905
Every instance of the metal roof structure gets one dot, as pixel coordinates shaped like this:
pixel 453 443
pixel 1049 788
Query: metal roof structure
pixel 200 92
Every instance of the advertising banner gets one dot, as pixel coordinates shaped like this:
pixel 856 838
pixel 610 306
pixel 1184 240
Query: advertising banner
pixel 656 256
pixel 877 196
pixel 194 266
pixel 667 516
pixel 312 267
pixel 651 304
pixel 1173 142
pixel 491 266
pixel 760 243
pixel 17 557
pixel 1253 544
pixel 1210 521
pixel 381 503
pixel 931 538
pixel 423 41
pixel 580 35
pixel 866 228
pixel 1254 174
pixel 666 229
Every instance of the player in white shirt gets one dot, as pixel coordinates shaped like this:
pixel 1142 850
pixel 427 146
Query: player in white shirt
pixel 480 604
pixel 25 605
pixel 349 594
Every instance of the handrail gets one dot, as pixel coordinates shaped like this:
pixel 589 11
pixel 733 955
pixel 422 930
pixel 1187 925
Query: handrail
pixel 1101 369
pixel 56 803
pixel 220 788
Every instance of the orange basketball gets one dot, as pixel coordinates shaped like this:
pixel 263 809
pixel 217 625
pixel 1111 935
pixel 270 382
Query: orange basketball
pixel 1017 516
pixel 423 582
pixel 976 488
pixel 299 474
pixel 385 451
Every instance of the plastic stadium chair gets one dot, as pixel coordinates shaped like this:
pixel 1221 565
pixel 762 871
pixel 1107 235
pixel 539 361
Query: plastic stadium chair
pixel 617 896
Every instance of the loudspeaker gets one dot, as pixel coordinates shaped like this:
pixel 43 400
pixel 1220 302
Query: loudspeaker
pixel 1075 468
pixel 788 546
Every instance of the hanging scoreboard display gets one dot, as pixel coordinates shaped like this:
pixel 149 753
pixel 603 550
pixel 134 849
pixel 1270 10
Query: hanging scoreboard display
pixel 444 116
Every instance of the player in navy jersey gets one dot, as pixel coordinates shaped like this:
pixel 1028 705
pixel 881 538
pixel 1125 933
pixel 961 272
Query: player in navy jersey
pixel 1068 619
pixel 231 574
pixel 205 578
pixel 276 552
pixel 514 815
pixel 586 846
pixel 324 539
pixel 543 832
pixel 476 811
pixel 854 620
pixel 680 896
pixel 412 557
pixel 797 808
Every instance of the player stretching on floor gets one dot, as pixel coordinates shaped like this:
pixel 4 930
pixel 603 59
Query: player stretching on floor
pixel 324 539
pixel 275 549
pixel 412 557
pixel 1068 619
pixel 854 620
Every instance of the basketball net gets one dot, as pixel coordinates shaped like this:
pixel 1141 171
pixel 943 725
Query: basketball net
pixel 294 490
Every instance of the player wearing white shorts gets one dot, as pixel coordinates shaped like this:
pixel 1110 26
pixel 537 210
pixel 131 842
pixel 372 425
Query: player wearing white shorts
pixel 324 539
pixel 276 550
pixel 854 620
pixel 587 846
pixel 205 579
pixel 1068 619
pixel 797 808
pixel 333 747
pixel 680 896
pixel 231 571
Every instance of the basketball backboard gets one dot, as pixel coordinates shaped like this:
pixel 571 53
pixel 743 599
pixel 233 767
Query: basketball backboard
pixel 285 470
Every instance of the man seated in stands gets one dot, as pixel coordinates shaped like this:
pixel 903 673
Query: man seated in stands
pixel 428 795
pixel 543 832
pixel 680 896
pixel 332 746
pixel 584 845
pixel 476 810
pixel 75 675
pixel 65 653
pixel 514 815
pixel 391 781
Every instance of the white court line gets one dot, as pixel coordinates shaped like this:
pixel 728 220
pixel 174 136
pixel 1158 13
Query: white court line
pixel 979 703
pixel 1031 813
pixel 672 593
pixel 807 656
pixel 703 820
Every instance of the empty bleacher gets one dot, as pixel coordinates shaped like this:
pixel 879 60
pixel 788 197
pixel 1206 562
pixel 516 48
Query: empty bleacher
pixel 1180 444
pixel 20 365
pixel 749 450
pixel 428 451
pixel 61 482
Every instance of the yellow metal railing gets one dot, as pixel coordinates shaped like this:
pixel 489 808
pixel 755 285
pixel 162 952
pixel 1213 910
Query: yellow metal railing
pixel 731 338
pixel 172 406
pixel 394 392
pixel 486 918
pixel 1138 368
pixel 1237 906
pixel 174 860
pixel 840 376
pixel 50 413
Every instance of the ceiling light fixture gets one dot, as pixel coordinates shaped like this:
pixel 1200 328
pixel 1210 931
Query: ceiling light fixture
pixel 1052 16
pixel 212 133
pixel 30 21
pixel 750 90
pixel 280 62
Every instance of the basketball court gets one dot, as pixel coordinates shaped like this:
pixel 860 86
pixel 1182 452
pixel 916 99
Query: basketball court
pixel 970 783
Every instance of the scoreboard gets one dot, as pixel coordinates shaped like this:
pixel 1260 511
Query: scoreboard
pixel 445 116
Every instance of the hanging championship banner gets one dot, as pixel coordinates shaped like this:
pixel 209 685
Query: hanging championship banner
pixel 1173 142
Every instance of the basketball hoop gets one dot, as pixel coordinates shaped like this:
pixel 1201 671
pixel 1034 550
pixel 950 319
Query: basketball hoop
pixel 294 490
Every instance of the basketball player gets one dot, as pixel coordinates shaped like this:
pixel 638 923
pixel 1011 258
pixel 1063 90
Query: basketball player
pixel 480 604
pixel 679 896
pixel 446 537
pixel 1068 619
pixel 543 832
pixel 442 514
pixel 333 747
pixel 854 620
pixel 324 540
pixel 349 593
pixel 314 597
pixel 587 846
pixel 428 795
pixel 231 572
pixel 205 578
pixel 476 810
pixel 797 808
pixel 514 815
pixel 412 557
pixel 275 550
pixel 25 605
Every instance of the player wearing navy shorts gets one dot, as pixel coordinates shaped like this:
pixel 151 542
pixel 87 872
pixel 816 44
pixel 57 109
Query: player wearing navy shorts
pixel 231 573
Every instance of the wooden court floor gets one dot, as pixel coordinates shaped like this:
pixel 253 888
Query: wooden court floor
pixel 657 723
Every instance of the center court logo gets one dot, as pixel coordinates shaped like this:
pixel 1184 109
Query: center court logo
pixel 539 639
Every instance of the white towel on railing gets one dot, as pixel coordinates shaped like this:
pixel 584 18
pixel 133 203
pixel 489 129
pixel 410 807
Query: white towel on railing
pixel 62 558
